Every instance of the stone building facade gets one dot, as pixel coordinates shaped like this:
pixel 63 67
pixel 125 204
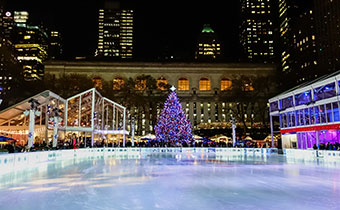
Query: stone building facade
pixel 211 94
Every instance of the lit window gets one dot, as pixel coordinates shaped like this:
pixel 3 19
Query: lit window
pixel 226 84
pixel 140 84
pixel 97 83
pixel 162 83
pixel 204 84
pixel 247 85
pixel 183 84
pixel 118 83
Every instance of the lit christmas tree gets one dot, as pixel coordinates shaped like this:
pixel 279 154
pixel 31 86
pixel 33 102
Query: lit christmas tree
pixel 172 125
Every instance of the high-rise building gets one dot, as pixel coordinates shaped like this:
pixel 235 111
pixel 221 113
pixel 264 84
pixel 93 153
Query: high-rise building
pixel 20 17
pixel 115 27
pixel 55 47
pixel 6 24
pixel 310 37
pixel 257 30
pixel 9 68
pixel 327 17
pixel 299 56
pixel 208 46
pixel 31 45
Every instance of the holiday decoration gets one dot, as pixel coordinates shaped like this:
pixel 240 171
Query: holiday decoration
pixel 172 125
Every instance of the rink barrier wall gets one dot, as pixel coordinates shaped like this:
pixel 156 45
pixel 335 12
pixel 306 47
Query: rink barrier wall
pixel 312 154
pixel 18 161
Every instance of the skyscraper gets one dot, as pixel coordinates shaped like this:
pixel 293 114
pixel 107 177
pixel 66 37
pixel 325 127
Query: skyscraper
pixel 6 24
pixel 55 47
pixel 327 17
pixel 9 68
pixel 299 56
pixel 115 27
pixel 20 17
pixel 257 30
pixel 310 37
pixel 31 45
pixel 208 46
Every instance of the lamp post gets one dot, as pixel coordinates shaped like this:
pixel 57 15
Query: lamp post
pixel 32 112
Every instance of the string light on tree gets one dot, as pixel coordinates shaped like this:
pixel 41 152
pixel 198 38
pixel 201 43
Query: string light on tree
pixel 172 125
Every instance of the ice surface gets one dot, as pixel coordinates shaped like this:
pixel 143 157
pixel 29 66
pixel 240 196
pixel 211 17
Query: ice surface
pixel 173 182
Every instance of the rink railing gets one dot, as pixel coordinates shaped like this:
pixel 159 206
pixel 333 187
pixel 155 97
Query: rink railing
pixel 18 161
pixel 312 154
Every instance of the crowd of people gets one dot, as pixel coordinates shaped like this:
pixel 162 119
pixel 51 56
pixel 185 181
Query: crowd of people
pixel 328 146
pixel 75 143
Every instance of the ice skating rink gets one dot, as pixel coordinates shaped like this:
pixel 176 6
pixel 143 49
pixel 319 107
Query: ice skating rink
pixel 174 181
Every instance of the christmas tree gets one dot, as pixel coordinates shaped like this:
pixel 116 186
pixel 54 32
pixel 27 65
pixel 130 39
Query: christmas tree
pixel 172 125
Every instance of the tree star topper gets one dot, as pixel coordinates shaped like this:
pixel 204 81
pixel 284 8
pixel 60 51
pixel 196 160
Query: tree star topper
pixel 172 88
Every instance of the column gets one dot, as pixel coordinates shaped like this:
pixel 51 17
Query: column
pixel 92 116
pixel 31 128
pixel 124 124
pixel 220 112
pixel 271 130
pixel 191 112
pixel 205 112
pixel 46 125
pixel 198 112
pixel 212 112
pixel 147 118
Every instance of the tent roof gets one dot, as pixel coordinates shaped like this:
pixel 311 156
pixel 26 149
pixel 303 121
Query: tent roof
pixel 308 83
pixel 20 107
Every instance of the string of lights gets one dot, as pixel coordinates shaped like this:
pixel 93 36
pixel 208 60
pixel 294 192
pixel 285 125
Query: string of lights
pixel 172 125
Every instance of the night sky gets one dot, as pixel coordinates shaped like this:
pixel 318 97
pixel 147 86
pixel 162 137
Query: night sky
pixel 161 27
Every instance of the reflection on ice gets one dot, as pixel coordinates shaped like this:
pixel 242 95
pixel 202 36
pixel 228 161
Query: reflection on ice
pixel 174 181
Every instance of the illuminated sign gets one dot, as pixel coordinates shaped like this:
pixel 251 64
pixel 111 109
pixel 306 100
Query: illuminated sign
pixel 8 14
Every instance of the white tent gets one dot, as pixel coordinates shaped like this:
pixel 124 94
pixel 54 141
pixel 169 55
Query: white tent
pixel 248 138
pixel 148 136
pixel 196 137
pixel 269 138
pixel 223 138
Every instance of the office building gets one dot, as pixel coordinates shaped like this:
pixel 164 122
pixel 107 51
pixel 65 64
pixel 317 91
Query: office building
pixel 31 45
pixel 208 46
pixel 310 40
pixel 327 17
pixel 9 68
pixel 20 17
pixel 55 49
pixel 115 32
pixel 299 51
pixel 257 30
pixel 6 24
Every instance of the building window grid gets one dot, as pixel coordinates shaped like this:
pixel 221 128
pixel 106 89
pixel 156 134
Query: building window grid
pixel 226 84
pixel 204 84
pixel 319 114
pixel 183 84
